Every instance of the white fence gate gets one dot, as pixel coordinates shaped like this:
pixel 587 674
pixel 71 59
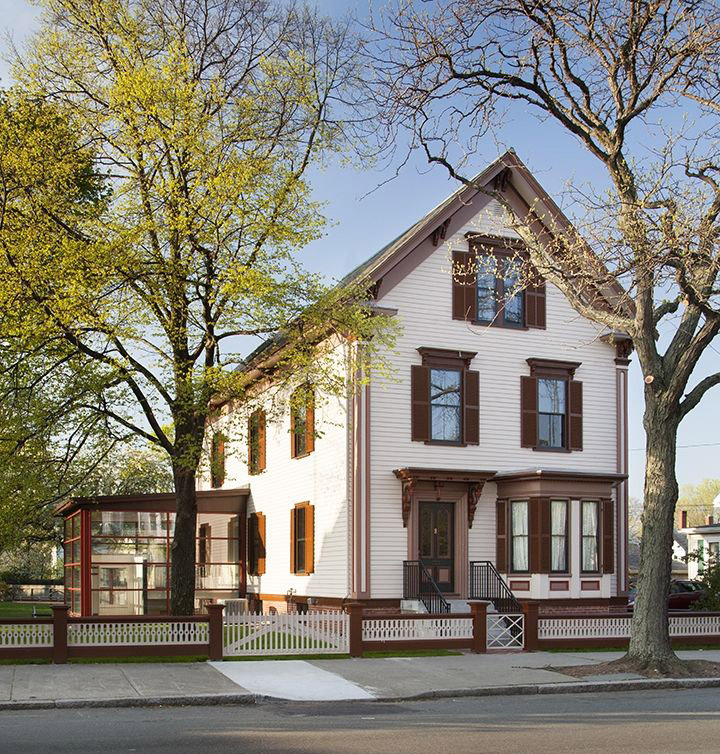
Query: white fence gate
pixel 505 631
pixel 289 634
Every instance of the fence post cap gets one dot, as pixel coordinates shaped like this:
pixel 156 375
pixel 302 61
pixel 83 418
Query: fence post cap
pixel 477 606
pixel 215 607
pixel 57 609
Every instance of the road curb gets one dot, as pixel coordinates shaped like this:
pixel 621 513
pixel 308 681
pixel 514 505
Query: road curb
pixel 190 700
pixel 582 687
pixel 570 687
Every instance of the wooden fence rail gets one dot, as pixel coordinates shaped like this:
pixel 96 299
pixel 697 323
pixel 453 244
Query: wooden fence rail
pixel 62 637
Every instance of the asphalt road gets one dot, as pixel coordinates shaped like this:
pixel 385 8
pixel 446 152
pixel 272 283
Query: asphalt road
pixel 648 721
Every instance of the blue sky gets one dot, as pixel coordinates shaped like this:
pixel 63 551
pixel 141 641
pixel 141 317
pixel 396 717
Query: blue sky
pixel 362 222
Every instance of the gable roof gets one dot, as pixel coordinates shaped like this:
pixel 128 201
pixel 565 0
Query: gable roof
pixel 507 175
pixel 385 267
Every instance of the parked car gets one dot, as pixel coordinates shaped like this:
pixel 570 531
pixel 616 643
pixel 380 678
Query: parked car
pixel 683 595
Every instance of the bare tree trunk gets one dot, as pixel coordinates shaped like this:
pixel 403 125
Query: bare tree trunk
pixel 650 647
pixel 182 580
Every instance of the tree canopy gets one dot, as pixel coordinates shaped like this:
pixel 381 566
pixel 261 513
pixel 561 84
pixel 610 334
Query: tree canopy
pixel 172 210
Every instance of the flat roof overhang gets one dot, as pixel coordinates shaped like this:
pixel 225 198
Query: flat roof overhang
pixel 208 501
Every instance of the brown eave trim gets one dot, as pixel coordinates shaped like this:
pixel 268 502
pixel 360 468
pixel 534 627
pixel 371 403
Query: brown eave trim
pixel 561 476
pixel 161 499
pixel 443 475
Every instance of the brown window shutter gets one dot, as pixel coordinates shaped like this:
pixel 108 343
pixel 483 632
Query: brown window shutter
pixel 309 538
pixel 608 536
pixel 420 403
pixel 217 460
pixel 251 451
pixel 543 504
pixel 293 513
pixel 471 403
pixel 251 543
pixel 292 431
pixel 501 539
pixel 535 315
pixel 260 555
pixel 535 538
pixel 261 441
pixel 575 416
pixel 310 425
pixel 528 412
pixel 464 298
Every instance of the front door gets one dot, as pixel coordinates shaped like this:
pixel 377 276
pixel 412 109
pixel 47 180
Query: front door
pixel 437 543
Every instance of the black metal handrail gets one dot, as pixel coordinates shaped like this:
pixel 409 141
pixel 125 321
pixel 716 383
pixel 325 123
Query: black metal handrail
pixel 487 584
pixel 418 584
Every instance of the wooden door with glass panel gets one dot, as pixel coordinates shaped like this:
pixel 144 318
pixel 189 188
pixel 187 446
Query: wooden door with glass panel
pixel 436 544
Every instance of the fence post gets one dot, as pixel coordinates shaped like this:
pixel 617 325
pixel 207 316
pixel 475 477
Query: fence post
pixel 216 643
pixel 530 611
pixel 478 608
pixel 355 611
pixel 60 623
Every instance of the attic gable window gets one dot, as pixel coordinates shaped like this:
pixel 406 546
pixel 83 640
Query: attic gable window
pixel 494 284
pixel 499 295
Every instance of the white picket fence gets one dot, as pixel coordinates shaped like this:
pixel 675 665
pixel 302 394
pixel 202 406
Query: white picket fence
pixel 618 626
pixel 19 635
pixel 286 634
pixel 120 634
pixel 409 629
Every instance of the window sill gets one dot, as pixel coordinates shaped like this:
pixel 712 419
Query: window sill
pixel 541 449
pixel 256 473
pixel 303 455
pixel 449 443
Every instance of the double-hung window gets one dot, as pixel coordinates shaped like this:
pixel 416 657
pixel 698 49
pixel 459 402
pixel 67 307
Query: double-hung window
pixel 590 540
pixel 500 296
pixel 551 406
pixel 558 536
pixel 302 527
pixel 445 398
pixel 446 405
pixel 519 536
pixel 552 412
pixel 302 422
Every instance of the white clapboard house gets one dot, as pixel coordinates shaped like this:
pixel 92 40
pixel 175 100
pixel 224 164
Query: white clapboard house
pixel 493 464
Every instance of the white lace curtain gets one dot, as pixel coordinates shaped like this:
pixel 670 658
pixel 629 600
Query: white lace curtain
pixel 558 518
pixel 519 519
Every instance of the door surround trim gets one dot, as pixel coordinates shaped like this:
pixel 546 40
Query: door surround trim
pixel 443 492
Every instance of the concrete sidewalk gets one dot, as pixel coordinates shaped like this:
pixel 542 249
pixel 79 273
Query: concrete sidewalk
pixel 145 684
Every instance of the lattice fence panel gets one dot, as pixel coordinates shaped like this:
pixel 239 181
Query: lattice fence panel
pixel 16 635
pixel 694 625
pixel 505 631
pixel 287 634
pixel 406 629
pixel 137 634
pixel 601 627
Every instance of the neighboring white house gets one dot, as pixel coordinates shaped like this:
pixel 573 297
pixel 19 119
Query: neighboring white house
pixel 502 438
pixel 703 540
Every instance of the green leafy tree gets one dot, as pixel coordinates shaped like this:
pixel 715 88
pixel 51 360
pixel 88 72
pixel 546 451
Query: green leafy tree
pixel 196 124
pixel 697 500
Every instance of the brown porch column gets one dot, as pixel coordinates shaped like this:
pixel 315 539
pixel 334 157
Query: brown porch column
pixel 478 608
pixel 60 622
pixel 215 630
pixel 355 611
